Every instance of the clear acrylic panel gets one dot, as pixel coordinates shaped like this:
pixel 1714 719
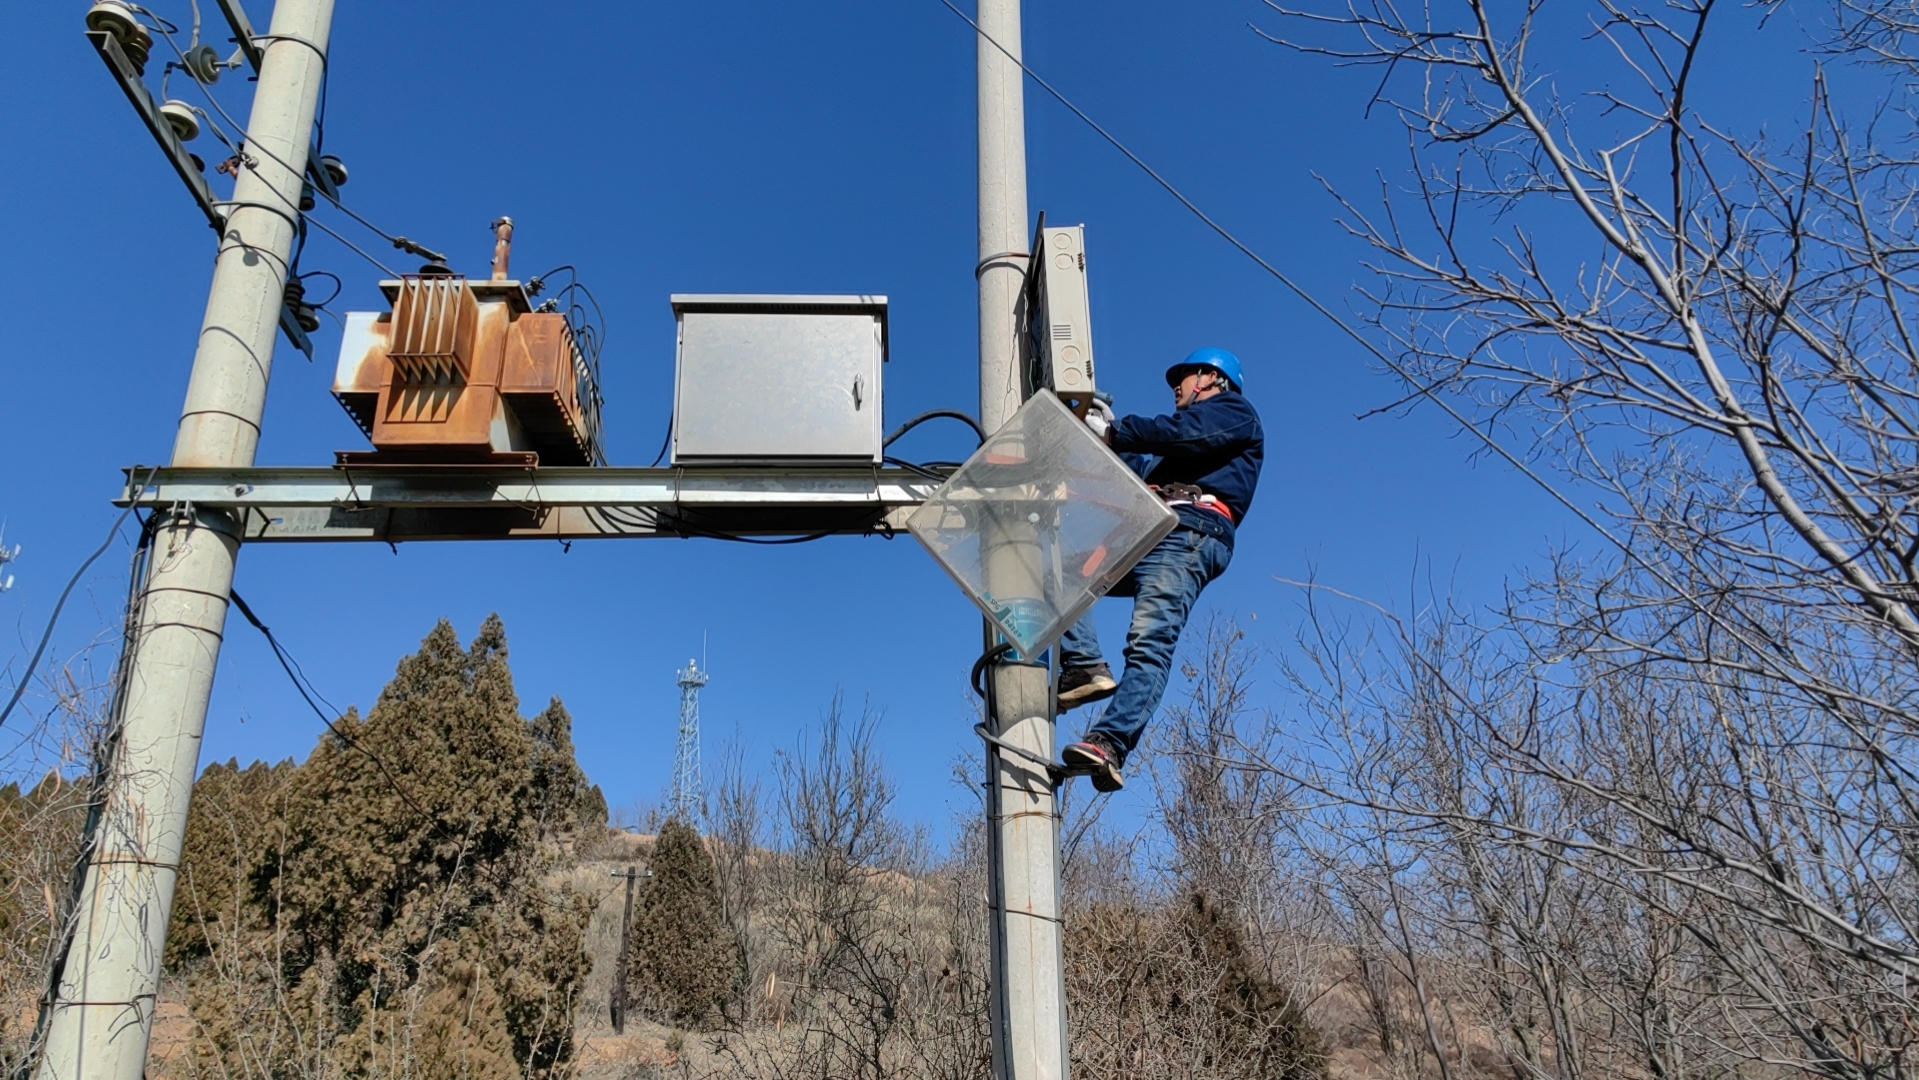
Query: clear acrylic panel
pixel 1040 522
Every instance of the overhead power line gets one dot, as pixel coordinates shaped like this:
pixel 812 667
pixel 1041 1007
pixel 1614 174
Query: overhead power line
pixel 20 686
pixel 245 143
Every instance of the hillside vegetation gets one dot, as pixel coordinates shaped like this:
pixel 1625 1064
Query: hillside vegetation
pixel 382 908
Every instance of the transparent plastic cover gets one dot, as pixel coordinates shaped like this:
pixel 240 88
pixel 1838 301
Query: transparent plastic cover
pixel 1040 522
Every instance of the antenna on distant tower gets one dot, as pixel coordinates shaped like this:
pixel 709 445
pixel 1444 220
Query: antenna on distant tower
pixel 8 555
pixel 687 798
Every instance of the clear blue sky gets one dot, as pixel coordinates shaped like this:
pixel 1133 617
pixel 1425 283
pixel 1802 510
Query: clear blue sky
pixel 725 147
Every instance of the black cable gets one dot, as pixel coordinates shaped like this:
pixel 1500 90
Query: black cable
pixel 20 687
pixel 207 92
pixel 685 529
pixel 295 672
pixel 689 530
pixel 337 286
pixel 105 754
pixel 925 469
pixel 935 414
pixel 537 283
pixel 319 119
pixel 1422 388
pixel 664 443
pixel 1170 189
pixel 985 658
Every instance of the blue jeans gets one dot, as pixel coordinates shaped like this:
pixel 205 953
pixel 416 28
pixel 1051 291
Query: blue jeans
pixel 1163 586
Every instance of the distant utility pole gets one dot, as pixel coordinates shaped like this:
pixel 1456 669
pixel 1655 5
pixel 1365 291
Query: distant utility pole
pixel 1026 974
pixel 686 800
pixel 619 967
pixel 99 1015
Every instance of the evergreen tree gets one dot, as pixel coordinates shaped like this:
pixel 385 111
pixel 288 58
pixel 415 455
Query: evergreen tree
pixel 396 885
pixel 682 960
pixel 237 817
pixel 593 812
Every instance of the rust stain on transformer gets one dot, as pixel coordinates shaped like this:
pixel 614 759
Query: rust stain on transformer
pixel 465 371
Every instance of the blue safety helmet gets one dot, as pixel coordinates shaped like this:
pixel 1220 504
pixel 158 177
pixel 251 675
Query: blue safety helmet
pixel 1216 359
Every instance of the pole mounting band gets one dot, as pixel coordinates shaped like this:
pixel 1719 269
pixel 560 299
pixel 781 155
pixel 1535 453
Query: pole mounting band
pixel 996 257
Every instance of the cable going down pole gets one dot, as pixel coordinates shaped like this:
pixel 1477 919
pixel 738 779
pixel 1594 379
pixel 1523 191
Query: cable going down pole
pixel 98 1015
pixel 1027 991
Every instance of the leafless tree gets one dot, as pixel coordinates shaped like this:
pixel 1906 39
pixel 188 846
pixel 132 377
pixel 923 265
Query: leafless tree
pixel 46 770
pixel 735 830
pixel 877 973
pixel 1707 732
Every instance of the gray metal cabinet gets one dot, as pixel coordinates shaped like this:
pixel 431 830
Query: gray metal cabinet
pixel 792 379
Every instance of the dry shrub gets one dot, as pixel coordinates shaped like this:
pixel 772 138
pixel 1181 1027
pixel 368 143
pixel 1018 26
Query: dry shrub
pixel 46 783
pixel 1172 991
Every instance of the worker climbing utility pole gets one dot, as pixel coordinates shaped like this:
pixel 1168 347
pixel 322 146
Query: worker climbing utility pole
pixel 1027 991
pixel 99 1015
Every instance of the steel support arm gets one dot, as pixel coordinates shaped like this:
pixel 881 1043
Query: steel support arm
pixel 392 504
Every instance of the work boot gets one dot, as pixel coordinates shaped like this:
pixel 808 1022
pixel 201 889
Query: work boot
pixel 1085 685
pixel 1097 753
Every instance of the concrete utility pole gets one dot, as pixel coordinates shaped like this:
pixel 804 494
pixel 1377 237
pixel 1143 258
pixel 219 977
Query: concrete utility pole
pixel 1028 992
pixel 619 968
pixel 100 1015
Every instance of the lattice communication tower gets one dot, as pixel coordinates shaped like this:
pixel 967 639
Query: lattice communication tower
pixel 686 757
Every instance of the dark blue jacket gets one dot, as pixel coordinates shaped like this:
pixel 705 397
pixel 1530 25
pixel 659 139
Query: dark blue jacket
pixel 1215 445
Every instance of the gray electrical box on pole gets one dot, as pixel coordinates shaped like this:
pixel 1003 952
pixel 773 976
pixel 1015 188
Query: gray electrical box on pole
pixel 99 1015
pixel 1061 322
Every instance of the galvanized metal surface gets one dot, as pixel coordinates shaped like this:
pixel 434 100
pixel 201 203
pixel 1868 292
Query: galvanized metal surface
pixel 778 378
pixel 443 503
pixel 128 76
pixel 244 37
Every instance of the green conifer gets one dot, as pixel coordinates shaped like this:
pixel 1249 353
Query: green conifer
pixel 682 960
pixel 398 867
pixel 236 818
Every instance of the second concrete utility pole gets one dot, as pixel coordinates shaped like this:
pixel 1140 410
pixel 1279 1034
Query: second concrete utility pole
pixel 1028 992
pixel 100 1015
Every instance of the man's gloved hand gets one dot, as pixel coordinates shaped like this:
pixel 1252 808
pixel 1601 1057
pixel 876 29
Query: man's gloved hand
pixel 1099 417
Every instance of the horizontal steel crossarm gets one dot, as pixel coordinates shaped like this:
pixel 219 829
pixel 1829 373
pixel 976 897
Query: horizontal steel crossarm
pixel 394 503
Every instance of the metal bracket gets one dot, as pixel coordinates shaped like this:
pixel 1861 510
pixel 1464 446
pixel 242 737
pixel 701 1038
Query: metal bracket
pixel 290 326
pixel 129 79
pixel 242 32
pixel 397 502
pixel 244 37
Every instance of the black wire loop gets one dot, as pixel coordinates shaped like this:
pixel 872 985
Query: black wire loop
pixel 935 414
pixel 987 657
